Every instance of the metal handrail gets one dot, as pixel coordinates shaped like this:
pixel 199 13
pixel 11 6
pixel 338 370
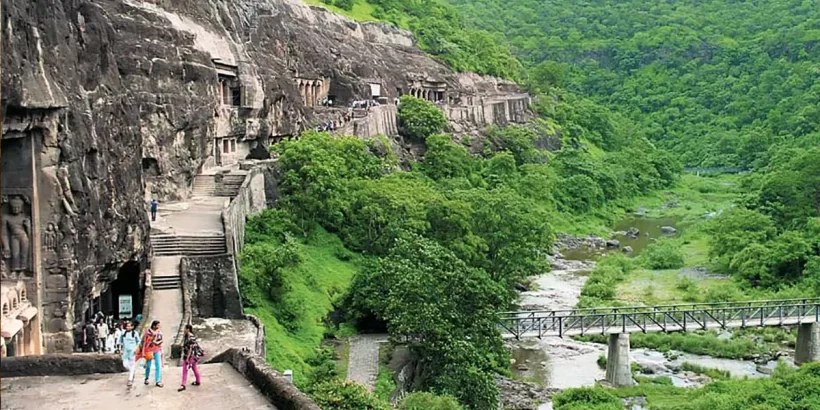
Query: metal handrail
pixel 636 308
pixel 663 318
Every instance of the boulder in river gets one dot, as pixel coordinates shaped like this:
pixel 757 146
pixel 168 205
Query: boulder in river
pixel 627 249
pixel 668 230
pixel 613 243
pixel 633 233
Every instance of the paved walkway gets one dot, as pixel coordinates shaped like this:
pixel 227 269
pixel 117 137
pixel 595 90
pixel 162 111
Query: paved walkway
pixel 222 388
pixel 197 216
pixel 363 360
pixel 166 305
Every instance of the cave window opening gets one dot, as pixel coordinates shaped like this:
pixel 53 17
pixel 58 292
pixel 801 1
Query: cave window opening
pixel 236 95
pixel 5 309
pixel 226 147
pixel 23 295
pixel 230 91
pixel 233 145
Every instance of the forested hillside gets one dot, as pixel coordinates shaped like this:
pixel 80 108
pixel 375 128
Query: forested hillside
pixel 716 81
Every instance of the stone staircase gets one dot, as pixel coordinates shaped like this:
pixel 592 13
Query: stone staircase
pixel 166 282
pixel 188 245
pixel 228 187
pixel 204 185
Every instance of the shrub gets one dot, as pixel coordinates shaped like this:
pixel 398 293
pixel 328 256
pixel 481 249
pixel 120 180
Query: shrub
pixel 419 118
pixel 587 398
pixel 662 255
pixel 345 395
pixel 601 361
pixel 429 401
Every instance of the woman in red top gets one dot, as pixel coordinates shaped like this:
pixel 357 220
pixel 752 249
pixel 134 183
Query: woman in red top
pixel 152 351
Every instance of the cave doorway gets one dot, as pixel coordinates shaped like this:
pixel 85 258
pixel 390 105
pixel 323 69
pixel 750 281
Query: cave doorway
pixel 124 296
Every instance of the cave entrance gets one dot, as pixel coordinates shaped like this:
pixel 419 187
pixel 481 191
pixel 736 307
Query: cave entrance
pixel 123 298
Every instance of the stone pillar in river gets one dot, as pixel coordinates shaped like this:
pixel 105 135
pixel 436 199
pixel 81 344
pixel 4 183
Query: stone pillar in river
pixel 807 348
pixel 618 372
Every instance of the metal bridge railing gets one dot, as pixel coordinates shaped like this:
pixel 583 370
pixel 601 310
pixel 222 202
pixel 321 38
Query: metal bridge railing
pixel 669 318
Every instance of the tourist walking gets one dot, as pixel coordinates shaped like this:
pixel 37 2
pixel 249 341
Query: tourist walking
pixel 152 352
pixel 192 353
pixel 89 337
pixel 118 331
pixel 154 206
pixel 102 334
pixel 130 341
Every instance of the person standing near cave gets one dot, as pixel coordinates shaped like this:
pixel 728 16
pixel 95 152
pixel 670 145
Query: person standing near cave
pixel 154 206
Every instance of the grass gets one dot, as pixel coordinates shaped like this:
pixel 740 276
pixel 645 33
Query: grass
pixel 362 10
pixel 714 374
pixel 635 290
pixel 343 353
pixel 315 283
pixel 385 385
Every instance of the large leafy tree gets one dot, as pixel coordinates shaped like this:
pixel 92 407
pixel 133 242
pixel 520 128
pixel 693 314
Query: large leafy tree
pixel 446 309
pixel 420 118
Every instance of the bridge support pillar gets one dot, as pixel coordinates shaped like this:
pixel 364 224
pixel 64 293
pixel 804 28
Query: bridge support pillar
pixel 808 343
pixel 618 372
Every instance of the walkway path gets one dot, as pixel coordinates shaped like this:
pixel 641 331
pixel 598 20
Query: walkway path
pixel 363 360
pixel 223 388
pixel 166 304
pixel 188 228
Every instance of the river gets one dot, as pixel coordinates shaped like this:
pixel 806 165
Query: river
pixel 565 363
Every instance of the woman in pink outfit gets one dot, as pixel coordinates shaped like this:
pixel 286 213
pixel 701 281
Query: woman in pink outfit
pixel 192 353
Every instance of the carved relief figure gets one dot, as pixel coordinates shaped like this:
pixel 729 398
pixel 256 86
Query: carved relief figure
pixel 50 241
pixel 17 236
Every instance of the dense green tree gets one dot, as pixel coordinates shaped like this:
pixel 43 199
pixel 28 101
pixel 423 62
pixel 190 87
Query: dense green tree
pixel 446 309
pixel 420 118
pixel 736 229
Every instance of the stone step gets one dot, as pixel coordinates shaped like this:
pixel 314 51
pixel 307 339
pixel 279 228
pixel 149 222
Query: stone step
pixel 208 246
pixel 189 252
pixel 192 241
pixel 166 282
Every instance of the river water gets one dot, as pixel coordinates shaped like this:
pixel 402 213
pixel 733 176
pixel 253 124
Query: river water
pixel 565 363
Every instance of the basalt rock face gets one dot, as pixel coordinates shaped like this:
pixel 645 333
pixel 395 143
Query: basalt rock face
pixel 110 102
pixel 71 148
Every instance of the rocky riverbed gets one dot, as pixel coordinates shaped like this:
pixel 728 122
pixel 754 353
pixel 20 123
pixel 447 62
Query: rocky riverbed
pixel 558 363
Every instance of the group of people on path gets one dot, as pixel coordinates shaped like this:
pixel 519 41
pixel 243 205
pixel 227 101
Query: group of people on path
pixel 148 347
pixel 100 334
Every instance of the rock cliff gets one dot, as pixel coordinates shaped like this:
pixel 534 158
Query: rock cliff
pixel 109 102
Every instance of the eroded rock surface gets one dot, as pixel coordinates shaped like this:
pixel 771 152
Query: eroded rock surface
pixel 111 102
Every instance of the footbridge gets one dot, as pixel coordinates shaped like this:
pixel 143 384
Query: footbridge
pixel 619 322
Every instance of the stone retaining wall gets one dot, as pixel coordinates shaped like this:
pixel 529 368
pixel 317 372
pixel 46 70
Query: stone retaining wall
pixel 282 393
pixel 249 201
pixel 60 365
pixel 210 287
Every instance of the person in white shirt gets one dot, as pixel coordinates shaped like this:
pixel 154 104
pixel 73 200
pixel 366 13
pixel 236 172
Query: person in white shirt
pixel 102 334
pixel 110 343
pixel 117 338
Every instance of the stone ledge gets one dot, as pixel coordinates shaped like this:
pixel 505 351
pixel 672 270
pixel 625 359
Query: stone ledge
pixel 60 365
pixel 260 348
pixel 282 393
